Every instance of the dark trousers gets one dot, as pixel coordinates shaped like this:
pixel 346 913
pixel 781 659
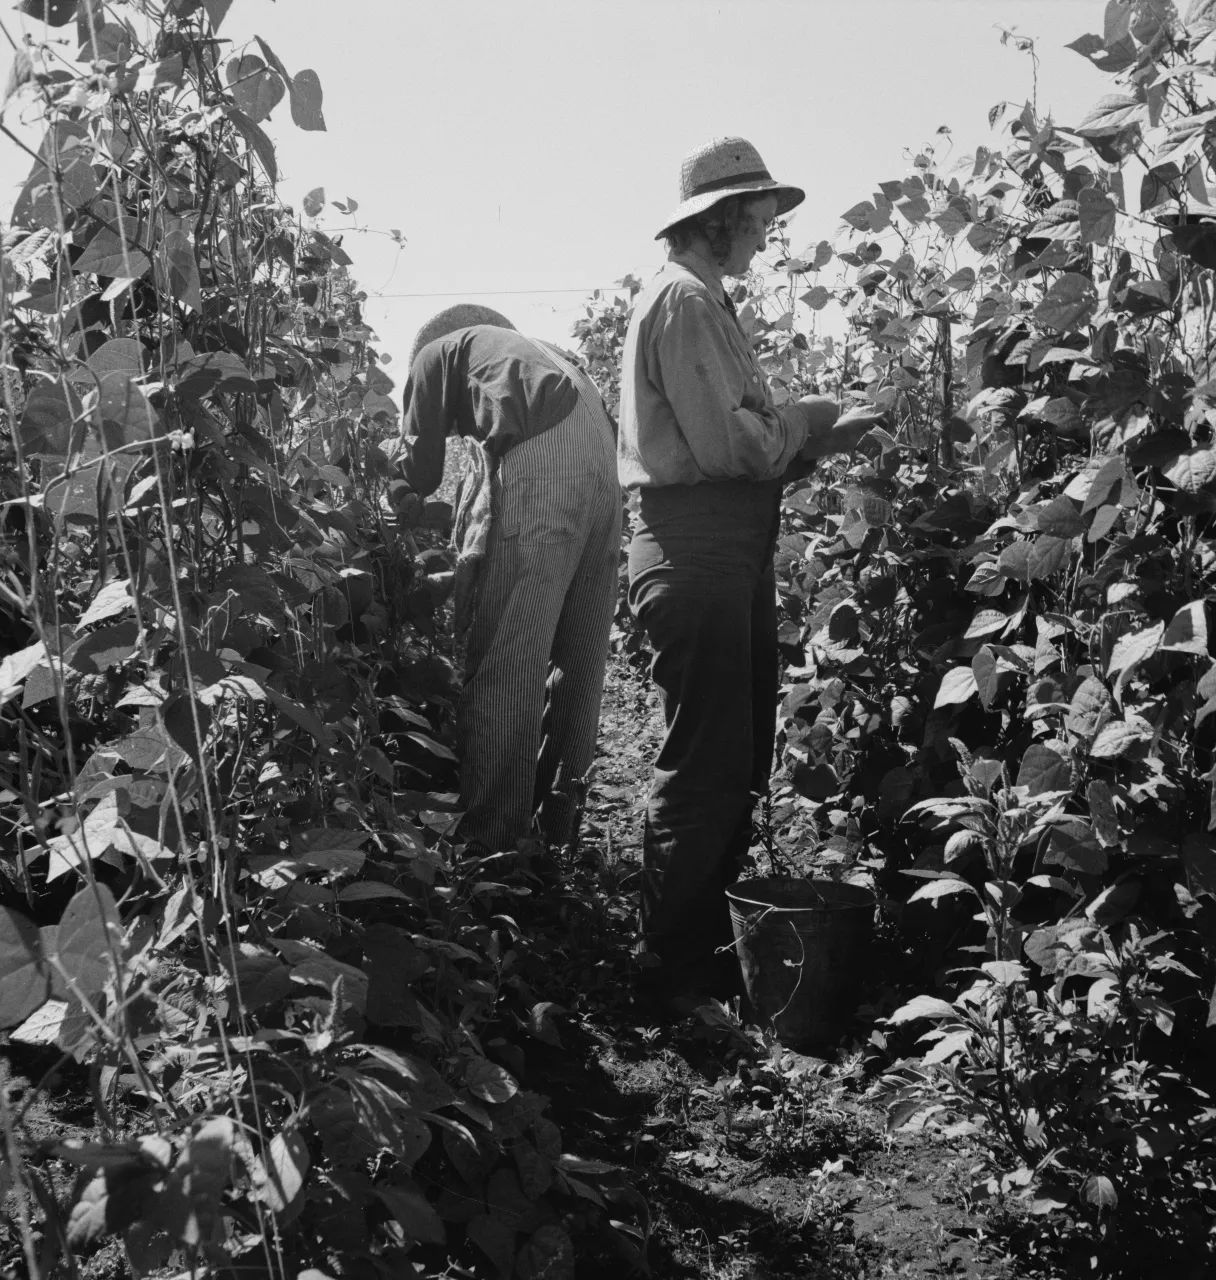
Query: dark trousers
pixel 701 583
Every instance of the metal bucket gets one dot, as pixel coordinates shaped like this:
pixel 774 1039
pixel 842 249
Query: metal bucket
pixel 803 946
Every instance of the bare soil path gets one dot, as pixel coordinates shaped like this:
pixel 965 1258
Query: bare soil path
pixel 752 1167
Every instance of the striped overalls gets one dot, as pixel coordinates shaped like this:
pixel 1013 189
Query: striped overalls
pixel 538 643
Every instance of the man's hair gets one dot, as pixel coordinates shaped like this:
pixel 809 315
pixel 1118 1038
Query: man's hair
pixel 718 224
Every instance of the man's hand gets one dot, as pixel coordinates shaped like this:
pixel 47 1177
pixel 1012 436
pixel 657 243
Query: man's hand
pixel 852 427
pixel 405 503
pixel 829 435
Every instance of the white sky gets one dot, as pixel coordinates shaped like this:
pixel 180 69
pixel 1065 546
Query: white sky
pixel 535 144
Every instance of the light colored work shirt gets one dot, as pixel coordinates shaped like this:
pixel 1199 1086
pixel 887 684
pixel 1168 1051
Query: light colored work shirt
pixel 695 405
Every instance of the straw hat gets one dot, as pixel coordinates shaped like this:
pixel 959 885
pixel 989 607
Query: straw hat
pixel 461 316
pixel 726 167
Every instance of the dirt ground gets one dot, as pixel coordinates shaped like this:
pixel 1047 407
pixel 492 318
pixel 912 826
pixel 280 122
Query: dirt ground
pixel 752 1168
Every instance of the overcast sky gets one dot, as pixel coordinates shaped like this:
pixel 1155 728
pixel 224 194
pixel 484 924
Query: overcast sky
pixel 524 145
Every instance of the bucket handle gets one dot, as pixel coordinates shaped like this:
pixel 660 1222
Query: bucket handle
pixel 801 965
pixel 749 926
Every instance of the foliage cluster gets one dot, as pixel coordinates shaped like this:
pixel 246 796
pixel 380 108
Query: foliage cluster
pixel 996 623
pixel 229 886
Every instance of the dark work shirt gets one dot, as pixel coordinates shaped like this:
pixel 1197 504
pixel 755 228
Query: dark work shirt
pixel 486 382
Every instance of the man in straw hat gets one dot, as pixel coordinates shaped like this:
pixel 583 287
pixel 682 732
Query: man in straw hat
pixel 708 451
pixel 537 532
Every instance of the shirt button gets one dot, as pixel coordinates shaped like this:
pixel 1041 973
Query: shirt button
pixel 755 378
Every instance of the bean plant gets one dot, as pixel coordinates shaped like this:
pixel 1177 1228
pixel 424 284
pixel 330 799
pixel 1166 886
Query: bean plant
pixel 230 892
pixel 999 687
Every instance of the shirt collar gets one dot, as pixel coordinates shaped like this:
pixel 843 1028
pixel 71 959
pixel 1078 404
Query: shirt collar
pixel 708 272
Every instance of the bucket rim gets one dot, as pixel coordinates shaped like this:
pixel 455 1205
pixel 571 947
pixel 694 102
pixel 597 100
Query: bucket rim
pixel 864 898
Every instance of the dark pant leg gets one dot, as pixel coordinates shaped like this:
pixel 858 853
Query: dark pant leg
pixel 765 678
pixel 702 585
pixel 700 625
pixel 765 682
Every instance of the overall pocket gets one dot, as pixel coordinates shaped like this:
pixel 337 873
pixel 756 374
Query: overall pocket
pixel 544 508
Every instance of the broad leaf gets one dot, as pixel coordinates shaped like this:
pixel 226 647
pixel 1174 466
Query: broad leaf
pixel 190 1206
pixel 283 1171
pixel 1043 769
pixel 1014 561
pixel 302 716
pixel 414 1213
pixel 82 950
pixel 151 750
pixel 46 421
pixel 368 891
pixel 985 623
pixel 1097 215
pixel 1060 518
pixel 1132 649
pixel 1111 114
pixel 258 142
pixel 1107 484
pixel 1091 708
pixel 988 670
pixel 1119 737
pixel 16 667
pixel 87 842
pixel 1197 242
pixel 1068 304
pixel 547 1255
pixel 1193 470
pixel 256 89
pixel 127 415
pixel 1072 845
pixel 859 215
pixel 488 1081
pixel 306 98
pixel 55 13
pixel 496 1239
pixel 102 649
pixel 112 254
pixel 181 269
pixel 24 978
pixel 1006 972
pixel 213 371
pixel 936 889
pixel 1102 813
pixel 921 1007
pixel 956 687
pixel 314 202
pixel 1048 556
pixel 1188 630
pixel 113 599
pixel 1099 1191
pixel 119 355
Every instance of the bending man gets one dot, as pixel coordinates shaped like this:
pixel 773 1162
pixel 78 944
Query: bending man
pixel 537 532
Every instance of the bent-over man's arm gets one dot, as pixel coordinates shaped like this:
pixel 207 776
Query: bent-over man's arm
pixel 426 419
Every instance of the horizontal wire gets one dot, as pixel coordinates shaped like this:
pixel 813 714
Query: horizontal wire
pixel 502 293
pixel 492 293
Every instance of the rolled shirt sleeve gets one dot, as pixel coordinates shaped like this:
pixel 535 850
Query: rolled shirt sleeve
pixel 731 429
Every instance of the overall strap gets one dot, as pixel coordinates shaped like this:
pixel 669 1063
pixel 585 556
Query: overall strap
pixel 587 390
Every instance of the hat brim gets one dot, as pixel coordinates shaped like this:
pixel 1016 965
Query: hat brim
pixel 787 198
